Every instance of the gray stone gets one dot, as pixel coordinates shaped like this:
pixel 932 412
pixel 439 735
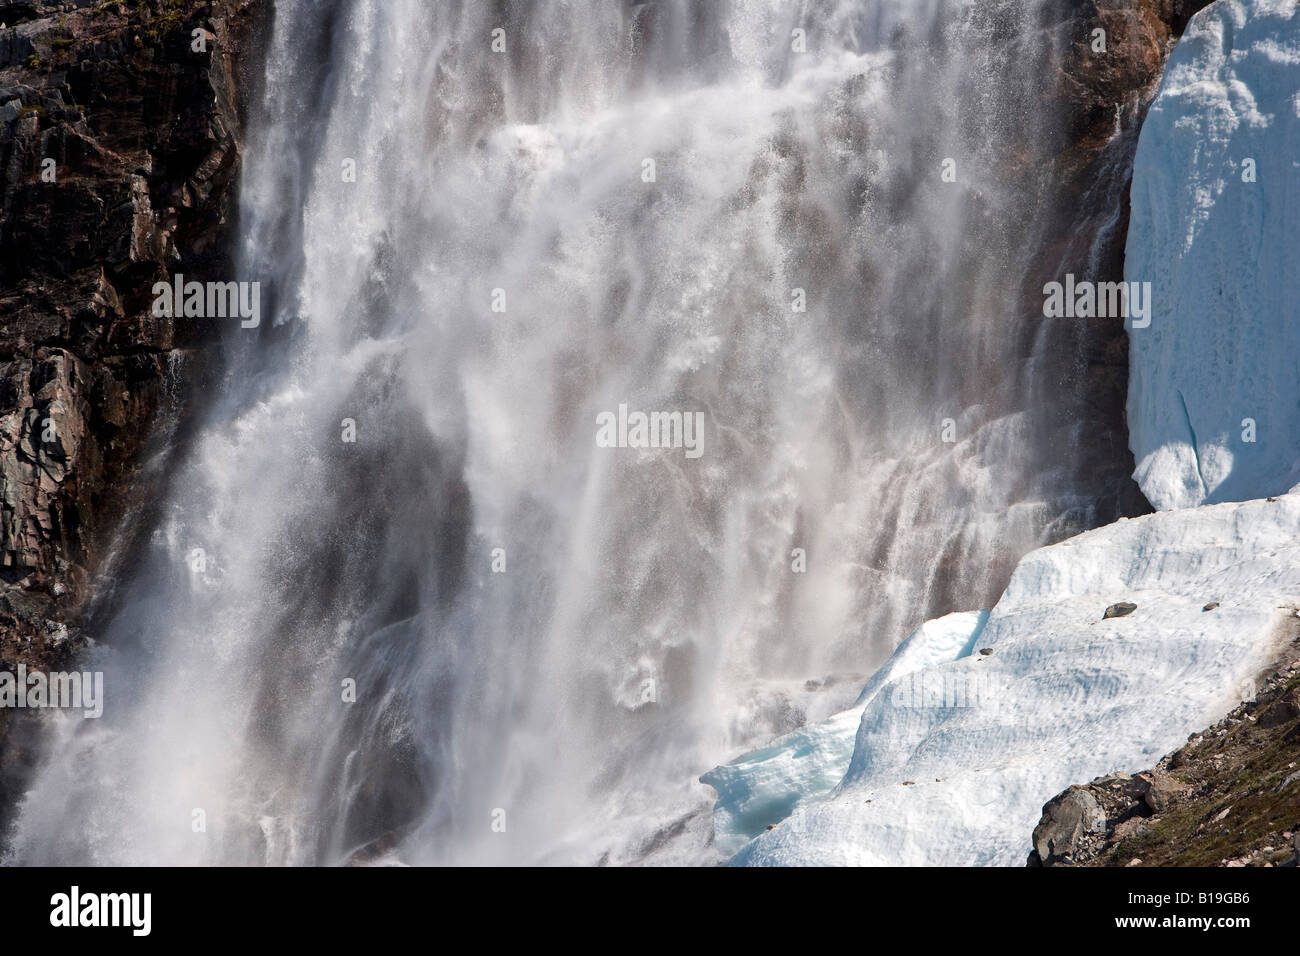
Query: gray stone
pixel 1282 711
pixel 1162 792
pixel 1066 820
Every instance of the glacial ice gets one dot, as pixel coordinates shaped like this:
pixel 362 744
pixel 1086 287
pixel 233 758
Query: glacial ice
pixel 1069 696
pixel 1219 364
pixel 764 786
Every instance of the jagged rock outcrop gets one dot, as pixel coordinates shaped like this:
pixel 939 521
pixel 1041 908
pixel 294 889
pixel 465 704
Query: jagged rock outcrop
pixel 119 145
pixel 119 148
pixel 1230 797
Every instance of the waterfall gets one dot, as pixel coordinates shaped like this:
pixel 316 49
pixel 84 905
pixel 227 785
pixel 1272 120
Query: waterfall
pixel 621 204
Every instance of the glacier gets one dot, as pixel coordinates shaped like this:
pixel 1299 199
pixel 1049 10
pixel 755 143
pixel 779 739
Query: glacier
pixel 1214 402
pixel 764 786
pixel 1068 695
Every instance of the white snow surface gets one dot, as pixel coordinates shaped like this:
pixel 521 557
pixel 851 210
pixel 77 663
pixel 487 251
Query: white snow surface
pixel 1223 344
pixel 1065 696
pixel 763 787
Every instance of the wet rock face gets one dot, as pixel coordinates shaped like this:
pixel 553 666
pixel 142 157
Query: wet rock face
pixel 119 148
pixel 1099 98
pixel 1119 68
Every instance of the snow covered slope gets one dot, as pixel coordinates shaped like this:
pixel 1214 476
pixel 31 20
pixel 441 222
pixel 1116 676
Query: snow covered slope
pixel 953 762
pixel 764 786
pixel 1223 344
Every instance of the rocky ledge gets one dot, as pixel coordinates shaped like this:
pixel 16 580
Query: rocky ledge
pixel 1229 797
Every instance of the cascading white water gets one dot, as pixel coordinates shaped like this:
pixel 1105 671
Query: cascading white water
pixel 649 622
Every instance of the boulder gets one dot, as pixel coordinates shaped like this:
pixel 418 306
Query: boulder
pixel 1162 792
pixel 1066 820
pixel 1282 711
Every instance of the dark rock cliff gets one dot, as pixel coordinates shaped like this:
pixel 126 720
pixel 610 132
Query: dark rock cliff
pixel 119 145
pixel 1099 96
pixel 120 133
